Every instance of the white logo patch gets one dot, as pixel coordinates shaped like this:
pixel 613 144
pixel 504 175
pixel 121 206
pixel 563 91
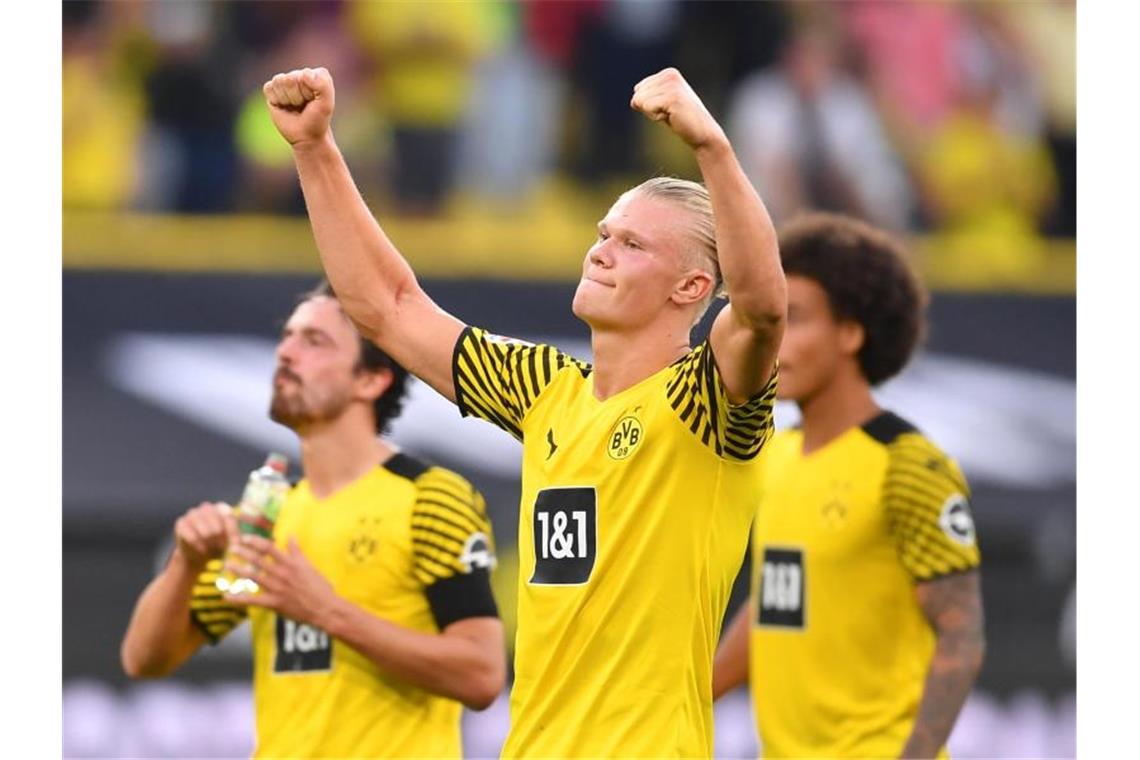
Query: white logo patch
pixel 477 553
pixel 956 520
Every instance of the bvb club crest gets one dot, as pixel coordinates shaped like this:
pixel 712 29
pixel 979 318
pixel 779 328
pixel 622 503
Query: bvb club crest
pixel 624 437
pixel 363 544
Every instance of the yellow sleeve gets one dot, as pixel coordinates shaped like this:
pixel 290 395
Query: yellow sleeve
pixel 927 504
pixel 499 379
pixel 451 533
pixel 697 394
pixel 209 610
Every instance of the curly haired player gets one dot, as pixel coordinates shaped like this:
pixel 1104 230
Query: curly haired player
pixel 863 633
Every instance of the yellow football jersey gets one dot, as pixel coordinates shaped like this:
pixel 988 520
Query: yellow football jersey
pixel 633 523
pixel 840 646
pixel 410 544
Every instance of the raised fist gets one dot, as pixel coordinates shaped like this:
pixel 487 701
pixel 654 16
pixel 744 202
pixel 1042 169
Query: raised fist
pixel 666 96
pixel 301 103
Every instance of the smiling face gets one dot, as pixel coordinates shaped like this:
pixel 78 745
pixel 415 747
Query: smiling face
pixel 318 374
pixel 637 270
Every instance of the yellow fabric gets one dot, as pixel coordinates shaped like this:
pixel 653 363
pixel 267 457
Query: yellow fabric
pixel 426 53
pixel 102 124
pixel 371 541
pixel 868 520
pixel 615 658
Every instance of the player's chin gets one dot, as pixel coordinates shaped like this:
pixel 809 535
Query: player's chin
pixel 787 389
pixel 283 412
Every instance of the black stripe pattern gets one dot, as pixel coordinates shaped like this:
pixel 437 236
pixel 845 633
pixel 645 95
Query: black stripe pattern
pixel 697 394
pixel 921 482
pixel 209 610
pixel 499 379
pixel 448 520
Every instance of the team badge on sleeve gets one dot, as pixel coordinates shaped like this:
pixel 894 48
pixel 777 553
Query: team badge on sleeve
pixel 956 520
pixel 477 553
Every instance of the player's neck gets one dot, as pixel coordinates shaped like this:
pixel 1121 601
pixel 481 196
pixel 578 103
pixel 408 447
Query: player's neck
pixel 337 453
pixel 844 403
pixel 624 359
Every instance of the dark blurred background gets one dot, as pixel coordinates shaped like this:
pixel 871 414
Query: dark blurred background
pixel 489 137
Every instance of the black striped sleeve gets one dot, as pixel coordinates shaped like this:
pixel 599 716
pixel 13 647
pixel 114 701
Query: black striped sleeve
pixel 927 503
pixel 453 547
pixel 697 395
pixel 209 610
pixel 499 379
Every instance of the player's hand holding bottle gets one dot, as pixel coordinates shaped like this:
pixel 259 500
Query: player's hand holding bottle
pixel 203 533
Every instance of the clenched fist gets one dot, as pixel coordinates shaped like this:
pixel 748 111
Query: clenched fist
pixel 666 96
pixel 204 532
pixel 301 103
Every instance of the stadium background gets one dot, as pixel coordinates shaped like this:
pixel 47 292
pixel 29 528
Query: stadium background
pixel 185 244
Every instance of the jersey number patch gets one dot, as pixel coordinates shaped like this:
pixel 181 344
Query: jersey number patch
pixel 782 595
pixel 565 535
pixel 301 648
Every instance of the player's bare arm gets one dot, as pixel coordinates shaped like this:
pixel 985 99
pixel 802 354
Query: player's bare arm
pixel 372 280
pixel 465 661
pixel 954 607
pixel 746 334
pixel 161 635
pixel 730 666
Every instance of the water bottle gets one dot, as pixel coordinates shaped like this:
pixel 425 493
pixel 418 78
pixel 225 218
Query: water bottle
pixel 260 502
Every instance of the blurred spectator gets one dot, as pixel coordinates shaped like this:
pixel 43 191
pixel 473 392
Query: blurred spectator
pixel 1046 34
pixel 103 110
pixel 628 41
pixel 748 36
pixel 193 100
pixel 425 54
pixel 302 34
pixel 808 136
pixel 906 51
pixel 985 172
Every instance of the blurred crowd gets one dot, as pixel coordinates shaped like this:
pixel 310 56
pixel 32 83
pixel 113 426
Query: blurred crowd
pixel 920 116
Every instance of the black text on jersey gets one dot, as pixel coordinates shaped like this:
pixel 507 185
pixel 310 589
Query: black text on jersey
pixel 565 535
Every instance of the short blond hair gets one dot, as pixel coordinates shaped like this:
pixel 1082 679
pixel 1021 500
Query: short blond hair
pixel 694 197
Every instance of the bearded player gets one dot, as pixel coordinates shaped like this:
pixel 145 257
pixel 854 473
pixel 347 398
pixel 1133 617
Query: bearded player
pixel 639 472
pixel 375 621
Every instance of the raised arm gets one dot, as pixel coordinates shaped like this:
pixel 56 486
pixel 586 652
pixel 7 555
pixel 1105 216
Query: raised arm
pixel 373 282
pixel 746 335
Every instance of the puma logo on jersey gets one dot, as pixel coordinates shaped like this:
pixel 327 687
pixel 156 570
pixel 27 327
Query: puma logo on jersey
pixel 553 445
pixel 625 436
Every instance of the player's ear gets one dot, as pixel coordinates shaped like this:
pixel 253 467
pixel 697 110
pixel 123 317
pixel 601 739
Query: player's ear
pixel 693 288
pixel 370 384
pixel 851 337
